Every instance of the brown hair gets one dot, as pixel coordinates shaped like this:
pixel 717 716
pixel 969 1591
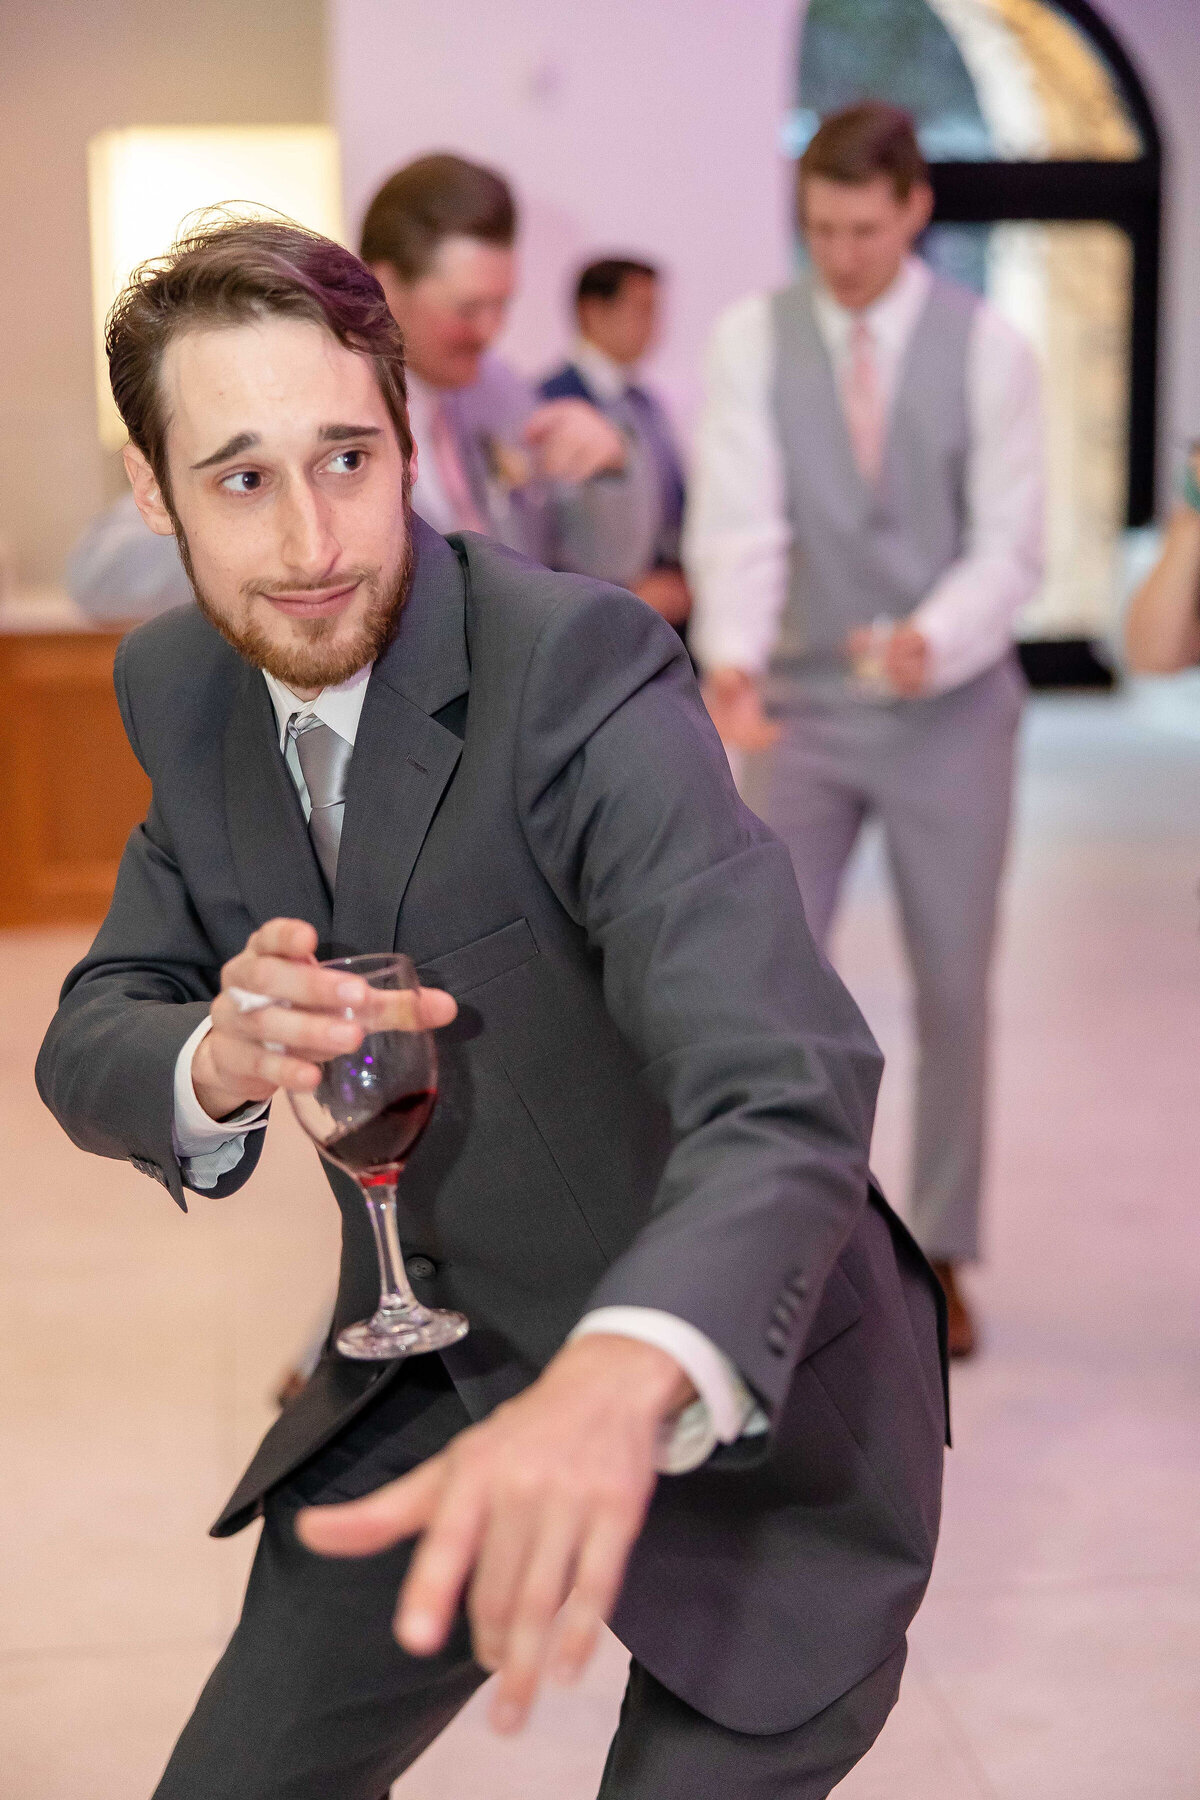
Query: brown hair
pixel 861 144
pixel 603 280
pixel 433 198
pixel 222 271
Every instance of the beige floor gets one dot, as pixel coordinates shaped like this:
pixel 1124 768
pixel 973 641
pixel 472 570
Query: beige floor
pixel 1058 1654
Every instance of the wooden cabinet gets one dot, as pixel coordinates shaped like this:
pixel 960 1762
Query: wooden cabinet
pixel 71 789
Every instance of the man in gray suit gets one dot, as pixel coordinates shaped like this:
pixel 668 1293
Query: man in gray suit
pixel 702 1393
pixel 557 480
pixel 864 524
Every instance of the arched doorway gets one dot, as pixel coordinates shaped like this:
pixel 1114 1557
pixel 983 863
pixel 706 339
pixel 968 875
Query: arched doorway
pixel 1047 171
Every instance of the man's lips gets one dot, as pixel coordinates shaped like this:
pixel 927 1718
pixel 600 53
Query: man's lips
pixel 314 603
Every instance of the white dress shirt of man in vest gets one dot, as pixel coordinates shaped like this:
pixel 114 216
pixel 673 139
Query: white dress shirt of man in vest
pixel 619 315
pixel 865 522
pixel 556 480
pixel 703 1392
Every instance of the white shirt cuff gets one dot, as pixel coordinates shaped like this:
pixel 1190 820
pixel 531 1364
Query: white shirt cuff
pixel 208 1148
pixel 725 1410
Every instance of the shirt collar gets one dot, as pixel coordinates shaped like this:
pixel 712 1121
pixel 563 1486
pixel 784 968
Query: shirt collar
pixel 891 317
pixel 338 707
pixel 607 379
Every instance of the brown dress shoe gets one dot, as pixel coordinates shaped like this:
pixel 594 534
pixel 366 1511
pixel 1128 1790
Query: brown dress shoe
pixel 960 1325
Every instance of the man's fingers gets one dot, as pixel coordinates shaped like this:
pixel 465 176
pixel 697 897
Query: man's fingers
pixel 386 1517
pixel 540 422
pixel 598 1578
pixel 577 1632
pixel 316 1035
pixel 436 1008
pixel 301 984
pixel 500 1567
pixel 431 1593
pixel 544 1588
pixel 284 937
pixel 241 1063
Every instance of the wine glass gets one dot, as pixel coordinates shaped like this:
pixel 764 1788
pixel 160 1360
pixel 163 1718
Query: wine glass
pixel 367 1115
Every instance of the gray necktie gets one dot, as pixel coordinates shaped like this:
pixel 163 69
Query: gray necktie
pixel 324 763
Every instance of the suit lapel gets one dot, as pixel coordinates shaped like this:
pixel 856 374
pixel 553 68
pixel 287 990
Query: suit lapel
pixel 403 758
pixel 272 852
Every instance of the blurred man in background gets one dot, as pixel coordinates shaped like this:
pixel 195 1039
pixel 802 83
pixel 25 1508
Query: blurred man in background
pixel 618 312
pixel 865 523
pixel 558 481
pixel 119 570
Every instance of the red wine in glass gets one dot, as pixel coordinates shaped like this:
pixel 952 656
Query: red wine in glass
pixel 367 1115
pixel 376 1152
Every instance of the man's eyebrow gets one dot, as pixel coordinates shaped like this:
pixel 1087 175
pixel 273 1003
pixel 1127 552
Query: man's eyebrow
pixel 244 440
pixel 337 434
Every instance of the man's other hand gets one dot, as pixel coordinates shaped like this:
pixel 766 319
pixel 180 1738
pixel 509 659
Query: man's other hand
pixel 248 1054
pixel 736 709
pixel 574 441
pixel 903 660
pixel 532 1514
pixel 667 592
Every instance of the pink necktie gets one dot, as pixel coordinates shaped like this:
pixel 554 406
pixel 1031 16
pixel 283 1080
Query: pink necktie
pixel 863 400
pixel 452 475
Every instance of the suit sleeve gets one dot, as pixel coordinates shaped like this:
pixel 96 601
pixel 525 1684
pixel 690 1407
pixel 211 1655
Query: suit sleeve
pixel 710 973
pixel 607 526
pixel 107 1067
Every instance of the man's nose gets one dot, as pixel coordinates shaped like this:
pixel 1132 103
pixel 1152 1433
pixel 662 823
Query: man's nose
pixel 308 545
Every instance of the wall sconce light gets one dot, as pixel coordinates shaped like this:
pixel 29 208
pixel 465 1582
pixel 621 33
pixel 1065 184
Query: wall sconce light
pixel 144 182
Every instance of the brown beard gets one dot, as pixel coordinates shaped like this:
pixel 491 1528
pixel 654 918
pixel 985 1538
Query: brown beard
pixel 312 661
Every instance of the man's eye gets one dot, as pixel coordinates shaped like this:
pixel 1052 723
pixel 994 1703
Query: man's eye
pixel 346 462
pixel 242 481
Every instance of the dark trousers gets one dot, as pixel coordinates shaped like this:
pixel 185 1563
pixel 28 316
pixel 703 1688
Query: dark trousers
pixel 314 1700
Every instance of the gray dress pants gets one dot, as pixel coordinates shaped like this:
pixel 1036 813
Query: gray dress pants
pixel 314 1700
pixel 938 774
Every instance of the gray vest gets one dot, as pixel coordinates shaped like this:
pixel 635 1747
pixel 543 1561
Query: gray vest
pixel 860 553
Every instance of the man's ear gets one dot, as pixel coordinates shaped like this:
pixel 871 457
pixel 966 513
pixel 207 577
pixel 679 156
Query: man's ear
pixel 394 289
pixel 920 208
pixel 146 492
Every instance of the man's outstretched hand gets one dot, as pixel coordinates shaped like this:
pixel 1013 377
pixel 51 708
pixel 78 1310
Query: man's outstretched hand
pixel 532 1513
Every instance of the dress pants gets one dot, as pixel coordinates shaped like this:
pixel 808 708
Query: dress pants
pixel 938 774
pixel 314 1700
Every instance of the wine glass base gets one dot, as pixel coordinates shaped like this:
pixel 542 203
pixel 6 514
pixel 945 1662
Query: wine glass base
pixel 390 1335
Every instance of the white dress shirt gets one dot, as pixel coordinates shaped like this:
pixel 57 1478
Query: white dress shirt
pixel 428 496
pixel 737 534
pixel 607 379
pixel 208 1148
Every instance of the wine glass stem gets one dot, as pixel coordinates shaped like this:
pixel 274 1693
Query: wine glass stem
pixel 395 1293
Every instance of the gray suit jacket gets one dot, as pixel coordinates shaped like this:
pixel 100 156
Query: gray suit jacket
pixel 656 1092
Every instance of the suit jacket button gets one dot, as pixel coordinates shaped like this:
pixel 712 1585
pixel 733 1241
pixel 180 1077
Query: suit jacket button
pixel 420 1268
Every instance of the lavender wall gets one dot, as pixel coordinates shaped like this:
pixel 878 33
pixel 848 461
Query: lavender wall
pixel 653 125
pixel 648 125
